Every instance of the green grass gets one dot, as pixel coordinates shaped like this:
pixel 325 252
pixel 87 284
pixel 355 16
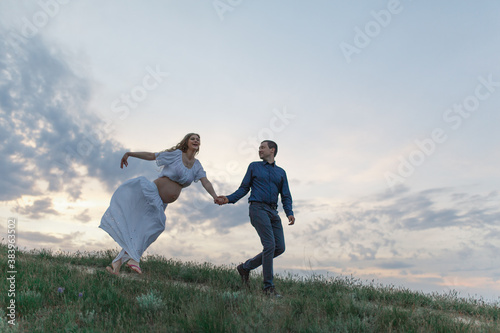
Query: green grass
pixel 72 292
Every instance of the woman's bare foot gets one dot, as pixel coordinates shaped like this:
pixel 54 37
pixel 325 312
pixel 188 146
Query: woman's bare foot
pixel 114 268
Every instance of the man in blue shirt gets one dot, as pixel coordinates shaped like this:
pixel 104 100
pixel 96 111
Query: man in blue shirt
pixel 267 181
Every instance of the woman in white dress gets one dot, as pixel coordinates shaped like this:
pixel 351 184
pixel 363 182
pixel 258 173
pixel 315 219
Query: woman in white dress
pixel 136 214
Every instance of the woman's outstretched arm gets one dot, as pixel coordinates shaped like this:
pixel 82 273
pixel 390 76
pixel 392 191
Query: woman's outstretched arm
pixel 208 186
pixel 142 155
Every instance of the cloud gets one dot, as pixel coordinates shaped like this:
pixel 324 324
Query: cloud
pixel 83 216
pixel 42 237
pixel 438 227
pixel 48 135
pixel 195 208
pixel 40 208
pixel 394 265
pixel 53 240
pixel 428 209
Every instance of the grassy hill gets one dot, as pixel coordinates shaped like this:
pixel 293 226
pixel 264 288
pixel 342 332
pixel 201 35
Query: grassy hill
pixel 72 292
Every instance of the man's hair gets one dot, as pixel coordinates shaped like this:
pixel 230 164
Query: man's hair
pixel 271 145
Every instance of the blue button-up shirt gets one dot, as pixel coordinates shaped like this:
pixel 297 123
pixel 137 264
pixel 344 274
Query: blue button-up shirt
pixel 266 181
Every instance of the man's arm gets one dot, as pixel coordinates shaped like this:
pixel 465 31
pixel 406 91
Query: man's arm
pixel 244 188
pixel 286 200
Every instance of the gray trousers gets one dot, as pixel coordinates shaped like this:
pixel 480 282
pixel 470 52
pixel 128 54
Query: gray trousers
pixel 267 223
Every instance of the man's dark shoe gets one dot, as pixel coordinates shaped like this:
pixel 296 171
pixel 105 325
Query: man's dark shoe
pixel 245 274
pixel 271 292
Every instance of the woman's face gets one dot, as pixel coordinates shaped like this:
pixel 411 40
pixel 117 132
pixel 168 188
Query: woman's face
pixel 194 142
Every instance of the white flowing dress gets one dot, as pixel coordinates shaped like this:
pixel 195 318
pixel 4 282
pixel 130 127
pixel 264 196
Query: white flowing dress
pixel 136 215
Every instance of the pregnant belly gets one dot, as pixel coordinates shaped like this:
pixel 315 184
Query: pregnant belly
pixel 169 190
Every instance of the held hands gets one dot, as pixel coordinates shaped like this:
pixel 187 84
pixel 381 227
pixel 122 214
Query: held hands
pixel 221 200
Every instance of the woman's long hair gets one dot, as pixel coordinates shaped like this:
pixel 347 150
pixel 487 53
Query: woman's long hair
pixel 183 145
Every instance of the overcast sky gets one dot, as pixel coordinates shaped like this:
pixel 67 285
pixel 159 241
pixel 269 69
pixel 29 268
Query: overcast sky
pixel 386 114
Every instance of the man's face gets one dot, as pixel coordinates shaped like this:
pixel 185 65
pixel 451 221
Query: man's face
pixel 265 151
